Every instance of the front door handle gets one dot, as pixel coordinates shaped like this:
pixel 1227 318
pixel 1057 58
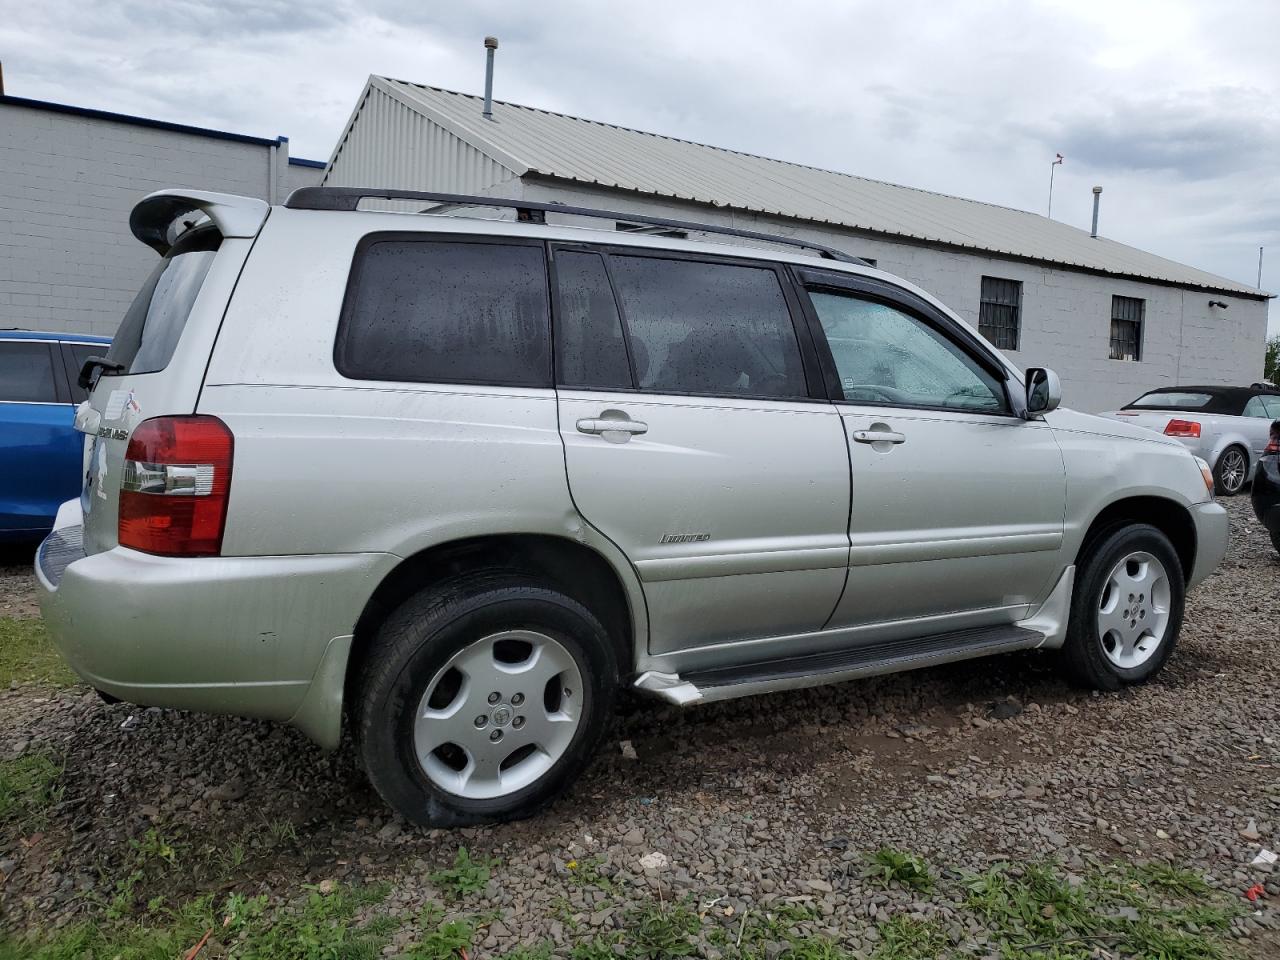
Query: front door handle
pixel 600 425
pixel 879 436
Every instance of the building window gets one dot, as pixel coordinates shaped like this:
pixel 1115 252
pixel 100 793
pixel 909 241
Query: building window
pixel 999 312
pixel 1126 328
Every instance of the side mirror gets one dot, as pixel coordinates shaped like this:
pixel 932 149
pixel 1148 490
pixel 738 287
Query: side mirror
pixel 1044 391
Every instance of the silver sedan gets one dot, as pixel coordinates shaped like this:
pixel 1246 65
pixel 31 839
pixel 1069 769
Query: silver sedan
pixel 1227 427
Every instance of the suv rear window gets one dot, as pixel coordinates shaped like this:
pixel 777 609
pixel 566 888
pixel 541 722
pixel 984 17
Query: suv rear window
pixel 154 321
pixel 1180 400
pixel 446 311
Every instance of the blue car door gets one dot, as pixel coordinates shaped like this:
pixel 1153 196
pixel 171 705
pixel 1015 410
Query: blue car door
pixel 40 452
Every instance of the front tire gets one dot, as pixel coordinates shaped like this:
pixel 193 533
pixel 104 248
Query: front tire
pixel 1126 610
pixel 1230 472
pixel 483 699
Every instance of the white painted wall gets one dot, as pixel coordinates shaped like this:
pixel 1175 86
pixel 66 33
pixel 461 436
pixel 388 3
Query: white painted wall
pixel 1066 315
pixel 67 183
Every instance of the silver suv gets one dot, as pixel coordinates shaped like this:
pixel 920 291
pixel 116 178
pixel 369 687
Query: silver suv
pixel 461 480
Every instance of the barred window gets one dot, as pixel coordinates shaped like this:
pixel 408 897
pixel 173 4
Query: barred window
pixel 999 312
pixel 1126 327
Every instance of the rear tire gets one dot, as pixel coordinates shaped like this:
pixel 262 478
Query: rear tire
pixel 1126 609
pixel 1275 540
pixel 449 734
pixel 1231 472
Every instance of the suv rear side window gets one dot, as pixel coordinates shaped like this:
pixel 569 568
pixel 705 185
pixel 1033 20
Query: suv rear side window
pixel 446 311
pixel 708 328
pixel 26 373
pixel 154 321
pixel 590 351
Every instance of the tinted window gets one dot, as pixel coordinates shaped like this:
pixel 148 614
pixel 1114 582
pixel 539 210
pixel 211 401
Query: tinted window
pixel 75 355
pixel 154 321
pixel 885 356
pixel 26 373
pixel 431 311
pixel 1172 399
pixel 589 344
pixel 708 328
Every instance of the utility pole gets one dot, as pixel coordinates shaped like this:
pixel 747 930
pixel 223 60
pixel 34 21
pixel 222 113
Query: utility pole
pixel 1057 161
pixel 1260 268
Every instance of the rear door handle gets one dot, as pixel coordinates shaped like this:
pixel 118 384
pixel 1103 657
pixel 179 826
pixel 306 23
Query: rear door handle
pixel 879 436
pixel 598 426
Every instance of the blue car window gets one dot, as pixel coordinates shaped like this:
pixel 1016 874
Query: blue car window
pixel 26 373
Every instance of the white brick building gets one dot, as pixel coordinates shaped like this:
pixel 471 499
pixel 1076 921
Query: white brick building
pixel 1079 297
pixel 68 179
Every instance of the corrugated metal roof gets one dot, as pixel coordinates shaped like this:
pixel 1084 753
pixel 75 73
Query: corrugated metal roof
pixel 531 141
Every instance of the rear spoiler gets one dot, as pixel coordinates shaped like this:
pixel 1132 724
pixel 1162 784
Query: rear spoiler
pixel 233 216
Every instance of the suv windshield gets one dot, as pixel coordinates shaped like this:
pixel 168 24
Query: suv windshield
pixel 153 323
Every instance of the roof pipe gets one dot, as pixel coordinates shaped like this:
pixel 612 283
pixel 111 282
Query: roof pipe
pixel 490 45
pixel 1097 198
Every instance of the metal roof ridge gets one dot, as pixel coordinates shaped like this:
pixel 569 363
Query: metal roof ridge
pixel 719 149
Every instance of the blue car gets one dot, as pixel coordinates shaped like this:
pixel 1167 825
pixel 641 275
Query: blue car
pixel 40 451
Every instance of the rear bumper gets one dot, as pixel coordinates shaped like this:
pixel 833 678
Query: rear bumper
pixel 1212 536
pixel 255 636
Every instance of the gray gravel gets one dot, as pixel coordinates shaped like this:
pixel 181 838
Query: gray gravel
pixel 755 800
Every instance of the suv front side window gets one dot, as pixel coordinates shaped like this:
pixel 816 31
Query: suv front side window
pixel 886 356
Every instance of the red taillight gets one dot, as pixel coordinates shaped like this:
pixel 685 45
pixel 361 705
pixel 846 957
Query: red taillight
pixel 1273 445
pixel 173 493
pixel 1182 428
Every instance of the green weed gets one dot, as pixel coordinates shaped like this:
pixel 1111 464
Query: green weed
pixel 889 866
pixel 464 877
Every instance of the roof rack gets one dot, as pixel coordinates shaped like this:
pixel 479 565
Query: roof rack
pixel 529 211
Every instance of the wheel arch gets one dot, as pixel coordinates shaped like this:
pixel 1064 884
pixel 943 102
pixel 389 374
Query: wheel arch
pixel 1168 516
pixel 580 571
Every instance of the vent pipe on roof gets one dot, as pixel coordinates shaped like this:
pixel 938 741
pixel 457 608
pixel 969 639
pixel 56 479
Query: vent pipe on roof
pixel 490 45
pixel 1097 197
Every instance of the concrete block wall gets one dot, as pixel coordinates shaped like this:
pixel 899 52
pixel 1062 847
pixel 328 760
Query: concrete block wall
pixel 67 183
pixel 1065 315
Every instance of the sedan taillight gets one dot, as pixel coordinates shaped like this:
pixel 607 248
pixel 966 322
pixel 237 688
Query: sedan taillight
pixel 1273 445
pixel 174 489
pixel 1182 428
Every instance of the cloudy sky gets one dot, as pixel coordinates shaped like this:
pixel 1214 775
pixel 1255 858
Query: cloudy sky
pixel 1172 106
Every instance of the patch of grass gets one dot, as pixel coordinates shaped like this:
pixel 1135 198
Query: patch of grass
pixel 820 948
pixel 464 877
pixel 27 654
pixel 597 948
pixel 1147 911
pixel 318 928
pixel 29 787
pixel 905 938
pixel 662 932
pixel 540 951
pixel 889 866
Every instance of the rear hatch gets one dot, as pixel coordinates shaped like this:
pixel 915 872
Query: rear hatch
pixel 155 366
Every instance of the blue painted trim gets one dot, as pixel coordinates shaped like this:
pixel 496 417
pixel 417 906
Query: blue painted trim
pixel 6 334
pixel 138 121
pixel 299 162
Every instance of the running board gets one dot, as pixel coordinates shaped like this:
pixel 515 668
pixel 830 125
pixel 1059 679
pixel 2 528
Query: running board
pixel 725 683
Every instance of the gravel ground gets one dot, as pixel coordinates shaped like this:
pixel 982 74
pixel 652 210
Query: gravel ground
pixel 756 800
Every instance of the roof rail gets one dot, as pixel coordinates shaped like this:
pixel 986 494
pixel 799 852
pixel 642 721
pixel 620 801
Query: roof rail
pixel 529 211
